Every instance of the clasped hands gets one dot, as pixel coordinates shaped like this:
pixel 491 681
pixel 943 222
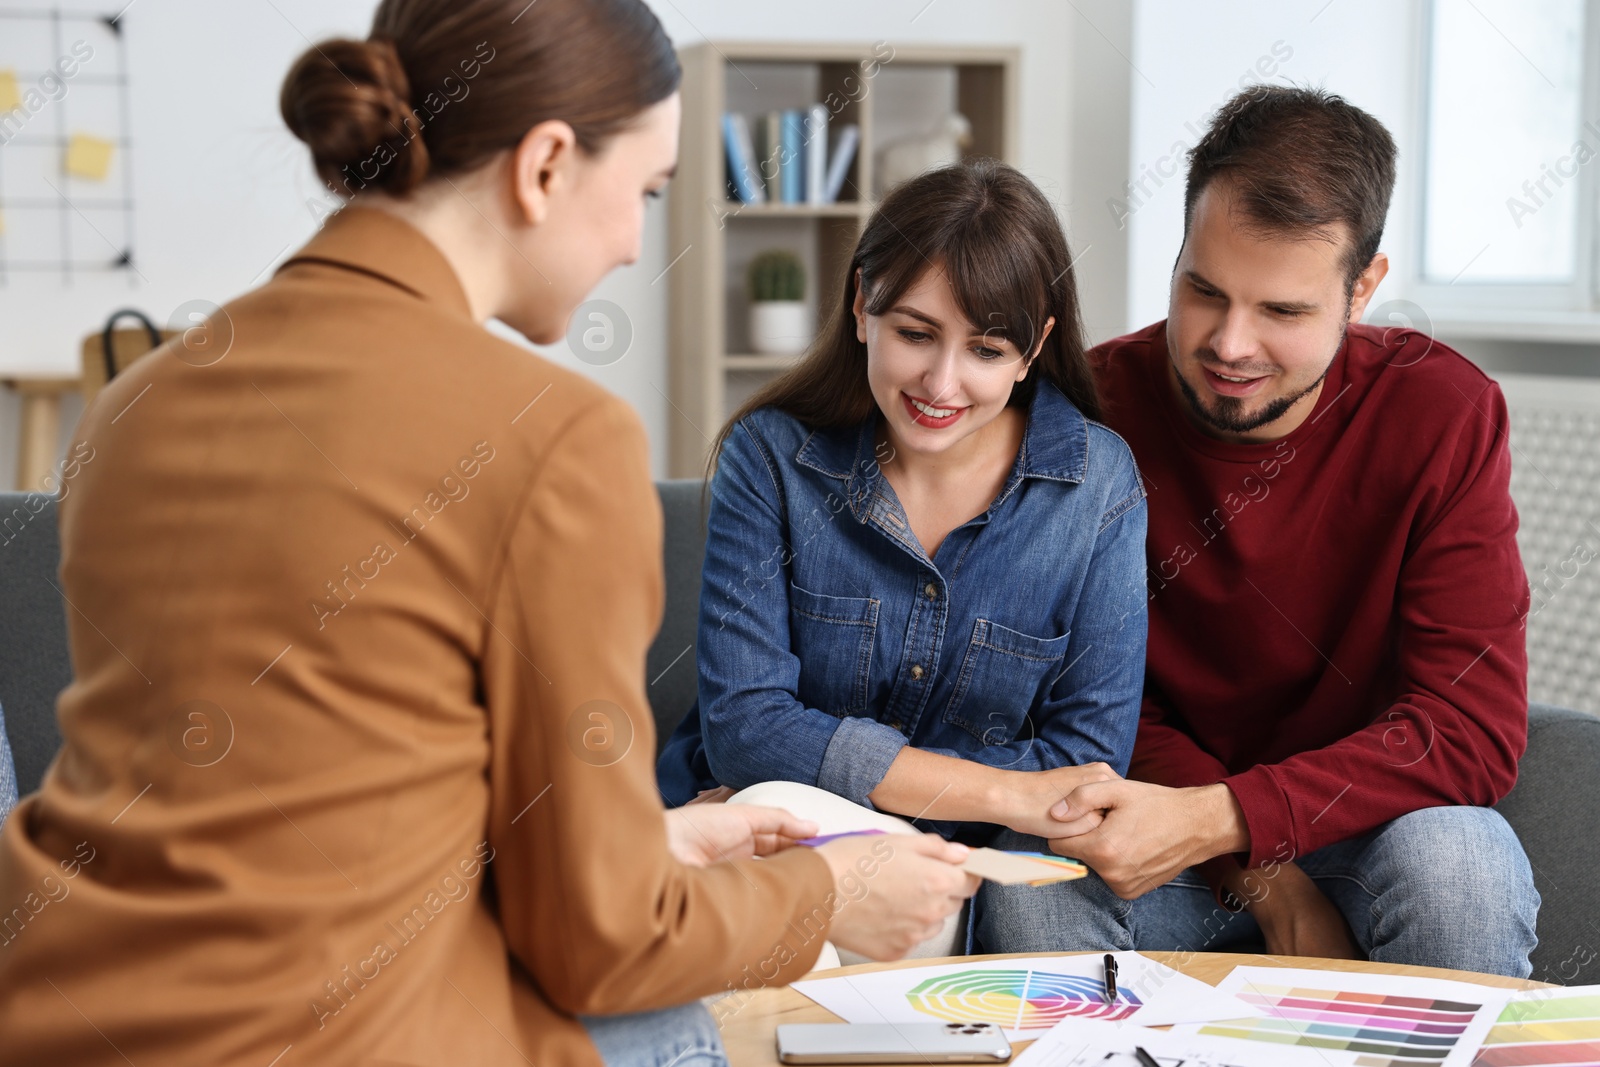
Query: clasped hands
pixel 1135 835
pixel 1138 836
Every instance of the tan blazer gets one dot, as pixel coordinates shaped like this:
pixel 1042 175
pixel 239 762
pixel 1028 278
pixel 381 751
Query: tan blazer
pixel 359 762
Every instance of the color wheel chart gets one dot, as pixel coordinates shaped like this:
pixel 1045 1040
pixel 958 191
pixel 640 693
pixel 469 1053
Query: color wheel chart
pixel 1381 1029
pixel 1547 1028
pixel 1017 999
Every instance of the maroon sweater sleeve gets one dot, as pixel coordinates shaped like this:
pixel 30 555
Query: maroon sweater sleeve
pixel 1165 754
pixel 1456 730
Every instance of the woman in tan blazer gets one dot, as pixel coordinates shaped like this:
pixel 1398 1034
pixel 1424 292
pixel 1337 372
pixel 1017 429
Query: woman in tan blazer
pixel 358 760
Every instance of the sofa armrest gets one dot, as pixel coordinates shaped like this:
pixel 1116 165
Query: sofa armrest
pixel 1555 810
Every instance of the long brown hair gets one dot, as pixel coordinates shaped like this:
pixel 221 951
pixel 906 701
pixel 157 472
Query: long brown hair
pixel 441 86
pixel 1002 249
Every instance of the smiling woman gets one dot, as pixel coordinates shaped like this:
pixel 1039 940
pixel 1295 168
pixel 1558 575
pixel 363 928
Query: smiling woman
pixel 963 640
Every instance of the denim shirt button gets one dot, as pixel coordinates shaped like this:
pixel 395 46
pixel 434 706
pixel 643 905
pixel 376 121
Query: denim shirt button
pixel 932 591
pixel 916 671
pixel 897 725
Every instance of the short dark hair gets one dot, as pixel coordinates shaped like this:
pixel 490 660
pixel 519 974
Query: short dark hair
pixel 1299 161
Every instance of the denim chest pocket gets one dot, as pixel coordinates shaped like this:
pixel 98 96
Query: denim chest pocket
pixel 1005 671
pixel 833 636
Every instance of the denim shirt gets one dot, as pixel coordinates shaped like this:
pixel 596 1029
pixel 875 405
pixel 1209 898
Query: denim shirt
pixel 828 639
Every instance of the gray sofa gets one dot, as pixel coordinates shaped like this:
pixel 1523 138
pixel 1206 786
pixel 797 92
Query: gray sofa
pixel 1555 807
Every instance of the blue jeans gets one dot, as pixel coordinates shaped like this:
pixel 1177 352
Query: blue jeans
pixel 8 773
pixel 685 1036
pixel 1440 887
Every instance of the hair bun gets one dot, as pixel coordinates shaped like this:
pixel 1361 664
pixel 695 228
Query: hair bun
pixel 350 102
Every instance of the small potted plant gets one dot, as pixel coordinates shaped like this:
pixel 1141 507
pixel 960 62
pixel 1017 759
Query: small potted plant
pixel 779 325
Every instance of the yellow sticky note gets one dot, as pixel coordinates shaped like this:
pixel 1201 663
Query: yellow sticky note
pixel 10 95
pixel 89 157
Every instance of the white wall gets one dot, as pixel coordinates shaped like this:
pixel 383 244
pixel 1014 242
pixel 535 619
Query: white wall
pixel 1099 148
pixel 220 186
pixel 1189 60
pixel 222 189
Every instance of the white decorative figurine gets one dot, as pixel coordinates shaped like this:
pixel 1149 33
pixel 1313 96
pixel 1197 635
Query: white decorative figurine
pixel 910 156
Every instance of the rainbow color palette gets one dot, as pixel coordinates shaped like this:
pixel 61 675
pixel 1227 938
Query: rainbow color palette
pixel 1362 1020
pixel 1546 1028
pixel 1027 997
pixel 1018 999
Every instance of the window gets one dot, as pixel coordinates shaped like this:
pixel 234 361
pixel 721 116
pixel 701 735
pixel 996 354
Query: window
pixel 1510 153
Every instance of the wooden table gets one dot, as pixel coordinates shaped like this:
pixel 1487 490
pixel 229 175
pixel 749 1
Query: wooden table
pixel 749 1024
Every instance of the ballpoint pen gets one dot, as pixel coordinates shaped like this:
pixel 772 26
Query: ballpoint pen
pixel 1111 978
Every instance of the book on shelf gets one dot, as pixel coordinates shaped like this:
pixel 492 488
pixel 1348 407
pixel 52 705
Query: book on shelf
pixel 741 152
pixel 794 172
pixel 816 154
pixel 783 157
pixel 844 151
pixel 771 126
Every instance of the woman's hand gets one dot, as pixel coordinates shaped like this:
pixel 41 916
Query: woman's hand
pixel 931 785
pixel 1024 798
pixel 895 890
pixel 702 834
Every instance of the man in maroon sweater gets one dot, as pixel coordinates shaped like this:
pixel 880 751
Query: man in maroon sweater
pixel 1335 690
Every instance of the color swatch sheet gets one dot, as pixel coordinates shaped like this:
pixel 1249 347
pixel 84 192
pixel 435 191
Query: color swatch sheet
pixel 1092 1043
pixel 1024 996
pixel 1002 866
pixel 1362 1020
pixel 1546 1028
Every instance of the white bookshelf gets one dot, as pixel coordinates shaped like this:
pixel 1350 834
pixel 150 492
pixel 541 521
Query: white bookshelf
pixel 890 93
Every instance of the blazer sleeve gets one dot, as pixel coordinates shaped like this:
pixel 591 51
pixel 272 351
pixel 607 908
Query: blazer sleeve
pixel 592 903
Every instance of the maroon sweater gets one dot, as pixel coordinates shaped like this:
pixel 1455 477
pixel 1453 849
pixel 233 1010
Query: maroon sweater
pixel 1336 617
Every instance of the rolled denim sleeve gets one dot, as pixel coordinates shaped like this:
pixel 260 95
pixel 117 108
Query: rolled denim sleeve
pixel 858 757
pixel 1091 713
pixel 755 727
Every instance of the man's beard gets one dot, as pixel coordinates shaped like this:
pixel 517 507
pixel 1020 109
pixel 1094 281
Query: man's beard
pixel 1231 414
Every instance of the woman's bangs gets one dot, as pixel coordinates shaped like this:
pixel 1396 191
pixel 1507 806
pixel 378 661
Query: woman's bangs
pixel 999 292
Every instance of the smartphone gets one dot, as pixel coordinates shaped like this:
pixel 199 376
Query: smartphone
pixel 892 1043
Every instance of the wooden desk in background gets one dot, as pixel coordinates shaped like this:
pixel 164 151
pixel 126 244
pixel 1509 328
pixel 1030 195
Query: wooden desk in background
pixel 750 1031
pixel 41 397
pixel 41 427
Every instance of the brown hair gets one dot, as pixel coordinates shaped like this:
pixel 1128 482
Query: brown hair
pixel 441 86
pixel 1001 247
pixel 1299 161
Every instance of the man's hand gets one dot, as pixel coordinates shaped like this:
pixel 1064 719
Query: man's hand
pixel 702 834
pixel 1296 918
pixel 1024 798
pixel 1138 836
